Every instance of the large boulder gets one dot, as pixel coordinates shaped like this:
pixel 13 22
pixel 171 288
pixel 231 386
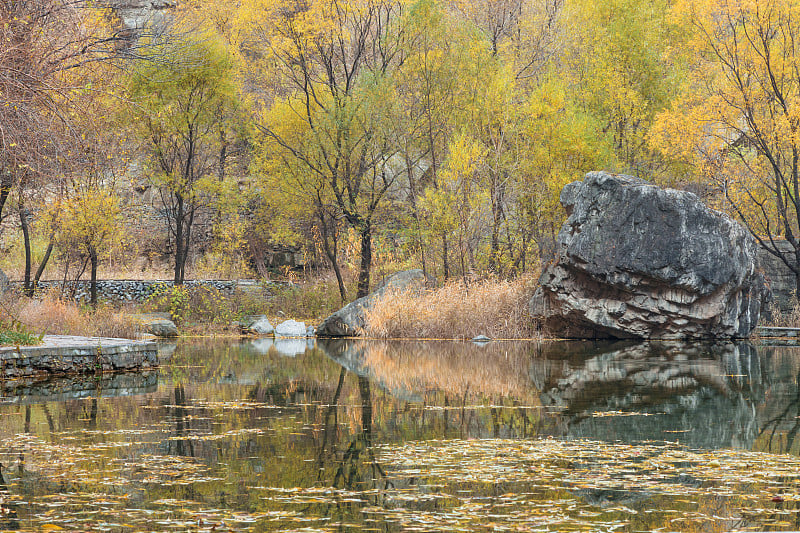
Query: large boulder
pixel 350 320
pixel 638 261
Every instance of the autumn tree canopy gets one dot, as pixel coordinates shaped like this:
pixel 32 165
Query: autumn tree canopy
pixel 430 133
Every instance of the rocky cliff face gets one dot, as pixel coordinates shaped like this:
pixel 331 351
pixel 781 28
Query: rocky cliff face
pixel 137 14
pixel 637 261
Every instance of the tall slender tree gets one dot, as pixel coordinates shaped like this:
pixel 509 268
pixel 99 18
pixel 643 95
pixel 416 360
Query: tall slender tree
pixel 333 119
pixel 182 96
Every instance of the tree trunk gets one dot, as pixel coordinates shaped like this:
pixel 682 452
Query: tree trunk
pixel 44 261
pixel 93 278
pixel 5 189
pixel 332 252
pixel 497 217
pixel 446 264
pixel 412 185
pixel 179 251
pixel 366 260
pixel 26 236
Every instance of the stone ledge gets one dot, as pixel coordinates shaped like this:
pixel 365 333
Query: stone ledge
pixel 770 332
pixel 64 354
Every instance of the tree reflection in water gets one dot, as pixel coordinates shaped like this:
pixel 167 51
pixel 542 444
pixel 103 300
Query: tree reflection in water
pixel 322 436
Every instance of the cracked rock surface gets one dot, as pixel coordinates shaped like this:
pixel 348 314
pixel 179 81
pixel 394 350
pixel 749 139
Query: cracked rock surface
pixel 638 261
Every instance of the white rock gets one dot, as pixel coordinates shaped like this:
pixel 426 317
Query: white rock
pixel 290 328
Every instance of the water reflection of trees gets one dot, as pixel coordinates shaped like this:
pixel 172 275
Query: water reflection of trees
pixel 707 396
pixel 780 413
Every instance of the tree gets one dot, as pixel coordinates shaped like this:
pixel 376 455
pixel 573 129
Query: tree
pixel 738 121
pixel 560 144
pixel 183 95
pixel 430 89
pixel 334 118
pixel 55 58
pixel 89 222
pixel 619 61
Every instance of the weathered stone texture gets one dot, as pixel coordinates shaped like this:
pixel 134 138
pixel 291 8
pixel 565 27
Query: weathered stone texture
pixel 256 325
pixel 158 324
pixel 638 261
pixel 291 328
pixel 125 291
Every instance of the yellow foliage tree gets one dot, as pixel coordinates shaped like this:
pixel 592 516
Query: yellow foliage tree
pixel 89 222
pixel 620 60
pixel 332 119
pixel 738 122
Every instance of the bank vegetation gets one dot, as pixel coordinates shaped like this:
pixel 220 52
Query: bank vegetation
pixel 362 137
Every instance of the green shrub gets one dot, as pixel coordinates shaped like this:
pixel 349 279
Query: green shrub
pixel 15 334
pixel 314 299
pixel 206 305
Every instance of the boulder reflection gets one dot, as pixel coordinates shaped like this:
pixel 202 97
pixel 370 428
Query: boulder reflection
pixel 703 395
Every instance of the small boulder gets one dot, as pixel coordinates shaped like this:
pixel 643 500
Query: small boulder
pixel 157 324
pixel 162 328
pixel 350 320
pixel 257 325
pixel 290 328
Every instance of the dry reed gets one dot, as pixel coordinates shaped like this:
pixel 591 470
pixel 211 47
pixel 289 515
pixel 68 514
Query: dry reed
pixel 54 316
pixel 497 309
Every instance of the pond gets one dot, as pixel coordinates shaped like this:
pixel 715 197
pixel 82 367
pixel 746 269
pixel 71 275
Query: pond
pixel 411 436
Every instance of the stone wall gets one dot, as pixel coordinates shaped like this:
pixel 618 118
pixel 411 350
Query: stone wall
pixel 136 291
pixel 64 354
pixel 781 280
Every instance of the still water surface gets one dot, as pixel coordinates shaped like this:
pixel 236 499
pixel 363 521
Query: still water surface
pixel 411 436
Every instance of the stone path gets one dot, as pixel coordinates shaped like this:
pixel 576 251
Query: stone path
pixel 65 354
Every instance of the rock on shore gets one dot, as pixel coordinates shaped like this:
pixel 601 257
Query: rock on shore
pixel 349 321
pixel 638 261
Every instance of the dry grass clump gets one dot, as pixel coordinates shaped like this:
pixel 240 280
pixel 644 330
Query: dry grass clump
pixel 781 319
pixel 55 316
pixel 497 309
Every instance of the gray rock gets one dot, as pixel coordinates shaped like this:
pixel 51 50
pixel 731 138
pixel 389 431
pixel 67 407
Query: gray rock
pixel 162 328
pixel 256 324
pixel 156 324
pixel 637 261
pixel 349 321
pixel 781 279
pixel 290 328
pixel 3 282
pixel 311 331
